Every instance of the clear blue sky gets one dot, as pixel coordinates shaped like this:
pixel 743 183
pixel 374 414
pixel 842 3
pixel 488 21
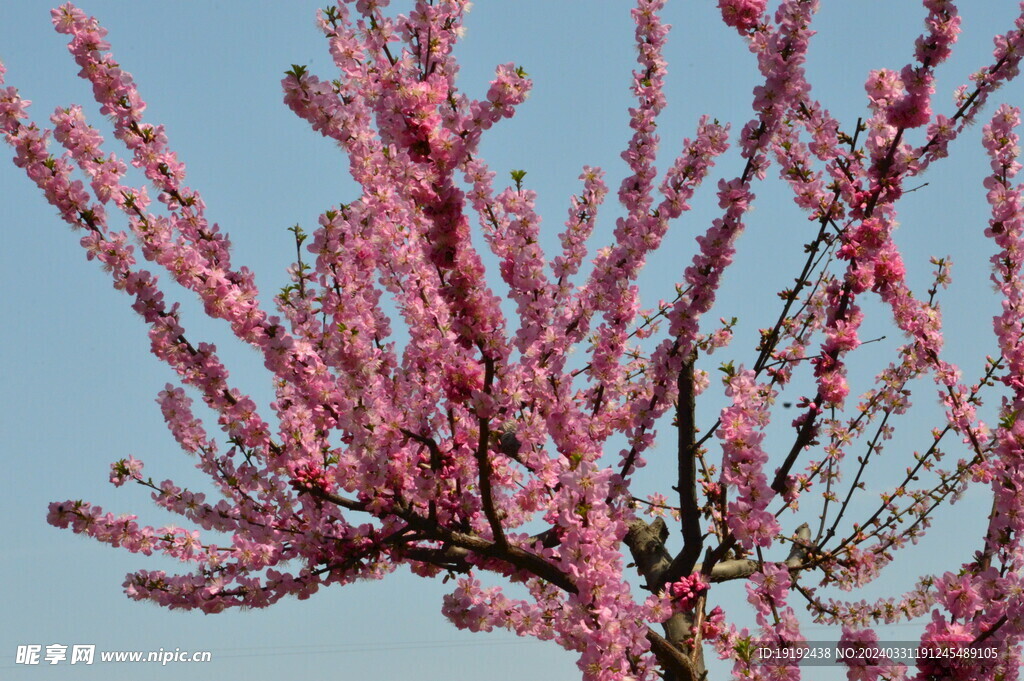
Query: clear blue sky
pixel 78 382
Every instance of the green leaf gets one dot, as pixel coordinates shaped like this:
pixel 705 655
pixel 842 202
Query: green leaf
pixel 1007 421
pixel 744 649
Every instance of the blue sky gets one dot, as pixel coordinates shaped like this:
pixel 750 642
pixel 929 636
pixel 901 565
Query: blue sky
pixel 78 382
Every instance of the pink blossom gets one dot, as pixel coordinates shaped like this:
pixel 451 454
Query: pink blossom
pixel 124 470
pixel 742 15
pixel 687 591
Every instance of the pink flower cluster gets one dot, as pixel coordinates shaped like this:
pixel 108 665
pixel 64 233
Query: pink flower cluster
pixel 687 591
pixel 865 665
pixel 743 15
pixel 124 470
pixel 743 462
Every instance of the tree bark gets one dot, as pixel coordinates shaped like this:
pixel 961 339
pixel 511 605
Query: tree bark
pixel 646 542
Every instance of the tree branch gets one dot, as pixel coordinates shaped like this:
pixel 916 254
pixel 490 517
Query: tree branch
pixel 741 568
pixel 693 539
pixel 484 462
pixel 509 553
pixel 671 658
pixel 646 543
pixel 803 438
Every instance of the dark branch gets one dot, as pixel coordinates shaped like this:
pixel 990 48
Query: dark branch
pixel 484 464
pixel 671 658
pixel 693 539
pixel 803 438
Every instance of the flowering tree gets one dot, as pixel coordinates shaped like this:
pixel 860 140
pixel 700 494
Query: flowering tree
pixel 474 448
